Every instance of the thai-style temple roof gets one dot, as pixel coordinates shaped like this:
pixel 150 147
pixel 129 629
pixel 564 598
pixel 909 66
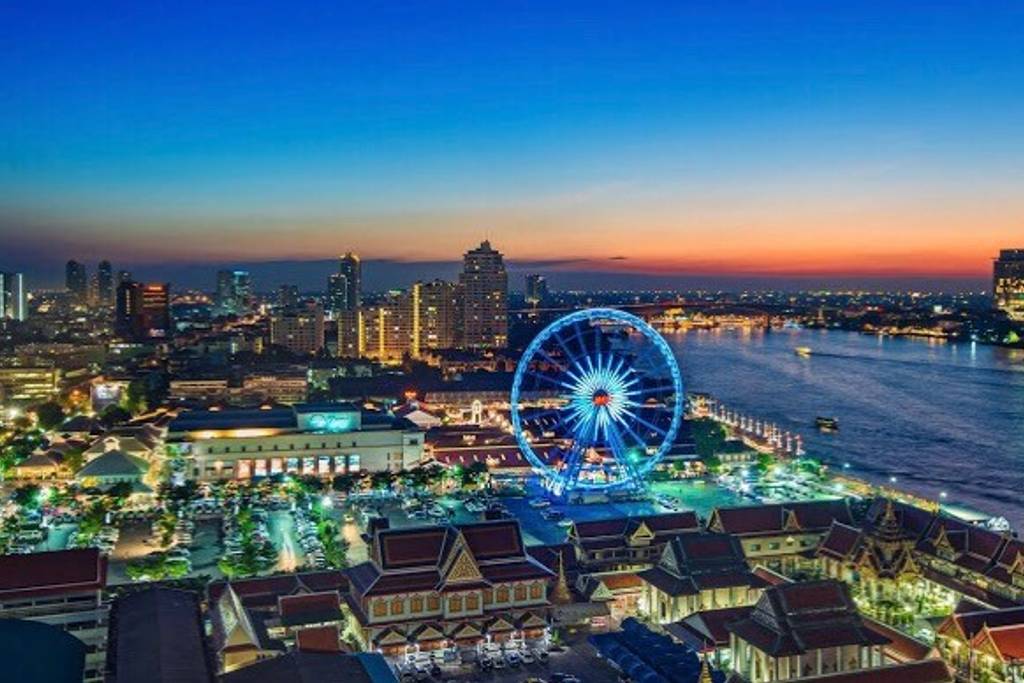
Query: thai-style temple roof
pixel 439 558
pixel 796 618
pixel 691 563
pixel 52 573
pixel 768 520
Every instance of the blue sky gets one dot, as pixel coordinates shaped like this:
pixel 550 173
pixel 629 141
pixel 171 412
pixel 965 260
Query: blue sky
pixel 688 137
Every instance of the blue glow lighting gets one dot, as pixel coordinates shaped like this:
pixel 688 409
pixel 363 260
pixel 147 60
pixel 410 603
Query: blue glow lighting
pixel 618 409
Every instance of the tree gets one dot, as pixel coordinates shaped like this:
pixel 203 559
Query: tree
pixel 344 483
pixel 134 398
pixel 50 415
pixel 114 415
pixel 27 496
pixel 74 458
pixel 472 474
pixel 382 480
pixel 708 435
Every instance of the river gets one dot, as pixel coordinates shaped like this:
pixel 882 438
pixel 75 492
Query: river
pixel 937 416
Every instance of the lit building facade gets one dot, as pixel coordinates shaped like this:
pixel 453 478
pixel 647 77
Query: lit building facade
pixel 536 289
pixel 76 281
pixel 105 284
pixel 21 385
pixel 448 587
pixel 345 288
pixel 142 311
pixel 439 310
pixel 391 328
pixel 1008 283
pixel 307 439
pixel 299 331
pixel 13 300
pixel 234 292
pixel 484 285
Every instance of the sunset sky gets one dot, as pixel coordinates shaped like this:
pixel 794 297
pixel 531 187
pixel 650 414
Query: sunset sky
pixel 773 139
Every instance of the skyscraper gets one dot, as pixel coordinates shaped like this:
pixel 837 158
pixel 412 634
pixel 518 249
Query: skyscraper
pixel 13 304
pixel 76 281
pixel 484 284
pixel 1008 283
pixel 345 288
pixel 287 297
pixel 536 289
pixel 105 284
pixel 234 292
pixel 142 312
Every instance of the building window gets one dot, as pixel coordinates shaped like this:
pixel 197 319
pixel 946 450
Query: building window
pixel 455 603
pixel 502 595
pixel 416 605
pixel 472 602
pixel 520 592
pixel 397 605
pixel 488 596
pixel 380 608
pixel 535 591
pixel 433 603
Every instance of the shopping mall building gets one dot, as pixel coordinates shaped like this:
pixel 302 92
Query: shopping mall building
pixel 320 439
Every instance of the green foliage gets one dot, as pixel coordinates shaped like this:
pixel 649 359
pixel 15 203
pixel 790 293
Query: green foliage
pixel 381 481
pixel 114 415
pixel 156 567
pixel 50 415
pixel 472 475
pixel 708 435
pixel 27 496
pixel 765 461
pixel 134 398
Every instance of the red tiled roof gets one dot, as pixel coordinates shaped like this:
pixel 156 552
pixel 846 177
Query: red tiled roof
pixel 51 573
pixel 492 540
pixel 1008 640
pixel 264 591
pixel 926 671
pixel 319 639
pixel 320 606
pixel 617 582
pixel 840 542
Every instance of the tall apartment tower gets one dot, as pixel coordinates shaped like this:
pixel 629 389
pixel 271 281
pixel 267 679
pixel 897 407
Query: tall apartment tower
pixel 1008 283
pixel 234 292
pixel 439 309
pixel 13 304
pixel 345 288
pixel 76 280
pixel 105 284
pixel 536 289
pixel 301 330
pixel 484 285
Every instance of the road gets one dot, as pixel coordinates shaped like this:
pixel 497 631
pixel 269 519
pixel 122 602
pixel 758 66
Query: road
pixel 281 526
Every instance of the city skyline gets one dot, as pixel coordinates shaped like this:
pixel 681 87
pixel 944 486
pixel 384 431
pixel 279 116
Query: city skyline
pixel 675 141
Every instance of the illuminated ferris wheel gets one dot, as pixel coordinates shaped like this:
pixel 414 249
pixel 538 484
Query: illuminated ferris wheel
pixel 596 401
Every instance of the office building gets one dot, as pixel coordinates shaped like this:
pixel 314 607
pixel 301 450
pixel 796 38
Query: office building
pixel 13 302
pixel 234 292
pixel 344 288
pixel 309 439
pixel 1008 283
pixel 301 331
pixel 25 385
pixel 142 311
pixel 287 297
pixel 76 281
pixel 536 289
pixel 439 309
pixel 484 285
pixel 105 284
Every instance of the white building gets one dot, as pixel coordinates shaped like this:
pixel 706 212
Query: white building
pixel 321 439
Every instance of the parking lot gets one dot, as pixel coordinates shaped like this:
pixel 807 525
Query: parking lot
pixel 577 659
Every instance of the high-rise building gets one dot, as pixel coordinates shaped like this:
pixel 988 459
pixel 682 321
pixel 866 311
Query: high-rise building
pixel 350 334
pixel 391 328
pixel 287 297
pixel 345 288
pixel 13 303
pixel 536 289
pixel 484 284
pixel 234 292
pixel 142 311
pixel 76 281
pixel 105 284
pixel 301 331
pixel 1008 283
pixel 438 315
